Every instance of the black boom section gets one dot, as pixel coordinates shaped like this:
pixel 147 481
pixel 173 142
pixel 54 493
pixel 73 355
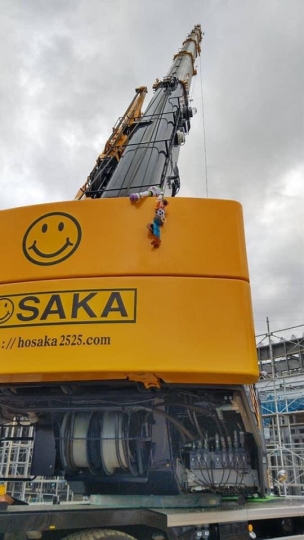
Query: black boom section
pixel 152 152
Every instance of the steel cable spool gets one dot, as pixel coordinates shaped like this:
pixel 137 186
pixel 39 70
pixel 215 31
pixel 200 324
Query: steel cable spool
pixel 93 444
pixel 73 441
pixel 104 443
pixel 112 443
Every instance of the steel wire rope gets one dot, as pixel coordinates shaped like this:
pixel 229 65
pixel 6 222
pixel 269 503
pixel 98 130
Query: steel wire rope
pixel 204 128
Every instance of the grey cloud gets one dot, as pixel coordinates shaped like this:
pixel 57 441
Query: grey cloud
pixel 69 70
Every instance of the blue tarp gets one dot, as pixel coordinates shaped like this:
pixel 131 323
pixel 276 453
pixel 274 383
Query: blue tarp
pixel 284 405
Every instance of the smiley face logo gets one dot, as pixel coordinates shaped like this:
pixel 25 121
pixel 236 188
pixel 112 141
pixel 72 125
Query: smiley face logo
pixel 6 309
pixel 51 239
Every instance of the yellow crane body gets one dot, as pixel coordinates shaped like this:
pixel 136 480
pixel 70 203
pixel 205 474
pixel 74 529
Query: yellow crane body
pixel 126 328
pixel 77 306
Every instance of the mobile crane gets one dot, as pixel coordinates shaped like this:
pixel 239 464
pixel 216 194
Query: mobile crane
pixel 109 341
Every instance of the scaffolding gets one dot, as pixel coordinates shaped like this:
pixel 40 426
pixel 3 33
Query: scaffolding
pixel 281 394
pixel 16 449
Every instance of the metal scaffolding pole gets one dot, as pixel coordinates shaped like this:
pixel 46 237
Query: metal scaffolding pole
pixel 281 393
pixel 15 462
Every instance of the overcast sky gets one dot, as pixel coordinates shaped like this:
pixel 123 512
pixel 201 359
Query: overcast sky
pixel 69 69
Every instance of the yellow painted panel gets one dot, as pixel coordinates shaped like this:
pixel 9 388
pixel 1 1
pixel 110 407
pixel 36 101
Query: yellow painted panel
pixel 109 237
pixel 194 330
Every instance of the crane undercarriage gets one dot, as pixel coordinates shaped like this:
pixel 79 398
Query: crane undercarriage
pixel 120 438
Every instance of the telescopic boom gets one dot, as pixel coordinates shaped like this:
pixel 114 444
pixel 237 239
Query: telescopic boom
pixel 149 156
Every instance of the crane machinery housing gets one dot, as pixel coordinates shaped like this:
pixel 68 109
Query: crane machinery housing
pixel 109 333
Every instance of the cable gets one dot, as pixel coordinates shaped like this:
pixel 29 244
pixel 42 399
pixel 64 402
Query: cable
pixel 202 471
pixel 184 431
pixel 204 129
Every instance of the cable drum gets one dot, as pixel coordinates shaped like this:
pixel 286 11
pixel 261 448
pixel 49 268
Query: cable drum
pixel 113 447
pixel 78 448
pixel 93 444
pixel 73 436
pixel 107 443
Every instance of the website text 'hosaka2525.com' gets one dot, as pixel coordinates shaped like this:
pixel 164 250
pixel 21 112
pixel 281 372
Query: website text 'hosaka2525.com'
pixel 65 340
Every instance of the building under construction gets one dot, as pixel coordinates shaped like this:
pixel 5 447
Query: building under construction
pixel 281 393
